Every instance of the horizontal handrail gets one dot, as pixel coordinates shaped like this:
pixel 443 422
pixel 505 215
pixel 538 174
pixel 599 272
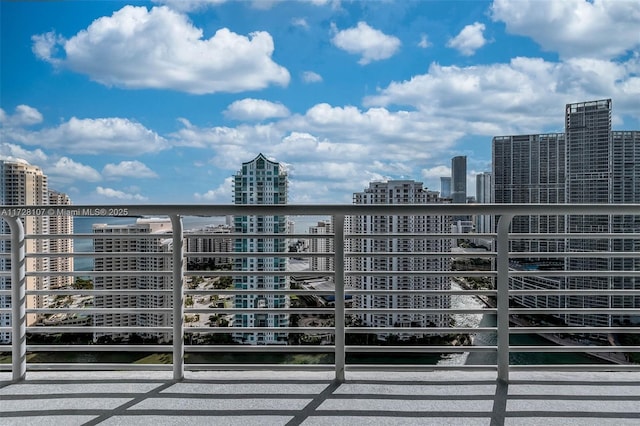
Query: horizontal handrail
pixel 483 274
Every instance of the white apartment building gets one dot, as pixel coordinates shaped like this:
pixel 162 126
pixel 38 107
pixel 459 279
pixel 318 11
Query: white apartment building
pixel 261 181
pixel 400 192
pixel 143 242
pixel 60 225
pixel 210 239
pixel 321 245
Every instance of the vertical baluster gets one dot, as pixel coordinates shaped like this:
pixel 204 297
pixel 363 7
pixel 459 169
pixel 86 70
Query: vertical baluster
pixel 502 284
pixel 18 300
pixel 338 244
pixel 178 298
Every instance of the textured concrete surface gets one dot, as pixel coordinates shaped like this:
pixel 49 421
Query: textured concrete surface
pixel 313 398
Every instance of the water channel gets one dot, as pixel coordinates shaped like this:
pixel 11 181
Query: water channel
pixel 489 339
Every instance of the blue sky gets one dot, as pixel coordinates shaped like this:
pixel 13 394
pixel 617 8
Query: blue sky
pixel 161 102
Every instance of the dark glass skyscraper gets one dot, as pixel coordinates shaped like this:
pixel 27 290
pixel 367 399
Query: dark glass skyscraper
pixel 459 179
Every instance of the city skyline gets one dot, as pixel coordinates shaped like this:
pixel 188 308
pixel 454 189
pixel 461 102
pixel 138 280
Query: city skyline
pixel 342 93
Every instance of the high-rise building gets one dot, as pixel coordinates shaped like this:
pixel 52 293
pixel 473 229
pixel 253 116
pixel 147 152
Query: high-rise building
pixel 60 225
pixel 459 179
pixel 261 181
pixel 602 167
pixel 588 163
pixel 531 169
pixel 139 244
pixel 400 192
pixel 445 187
pixel 26 184
pixel 321 245
pixel 23 184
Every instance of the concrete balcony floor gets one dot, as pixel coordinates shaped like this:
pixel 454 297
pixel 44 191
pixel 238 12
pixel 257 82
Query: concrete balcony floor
pixel 313 398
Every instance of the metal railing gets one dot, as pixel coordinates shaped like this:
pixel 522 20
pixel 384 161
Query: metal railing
pixel 584 311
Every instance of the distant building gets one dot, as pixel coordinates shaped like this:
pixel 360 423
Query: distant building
pixel 210 239
pixel 60 225
pixel 445 187
pixel 459 179
pixel 138 245
pixel 484 223
pixel 261 181
pixel 400 192
pixel 321 245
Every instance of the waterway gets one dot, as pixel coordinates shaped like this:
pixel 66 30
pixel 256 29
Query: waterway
pixel 490 339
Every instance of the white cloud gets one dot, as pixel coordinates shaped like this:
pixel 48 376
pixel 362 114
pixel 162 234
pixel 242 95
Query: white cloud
pixel 132 169
pixel 60 170
pixel 24 116
pixel 431 176
pixel 189 5
pixel 119 195
pixel 371 44
pixel 67 170
pixel 574 28
pixel 386 130
pixel 305 147
pixel 300 22
pixel 334 3
pixel 522 96
pixel 220 195
pixel 311 77
pixel 161 49
pixel 469 40
pixel 255 109
pixel 46 46
pixel 13 152
pixel 436 172
pixel 94 136
pixel 424 41
pixel 230 140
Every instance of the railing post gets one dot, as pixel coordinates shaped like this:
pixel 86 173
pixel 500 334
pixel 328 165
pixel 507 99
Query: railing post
pixel 18 300
pixel 178 298
pixel 502 285
pixel 338 243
